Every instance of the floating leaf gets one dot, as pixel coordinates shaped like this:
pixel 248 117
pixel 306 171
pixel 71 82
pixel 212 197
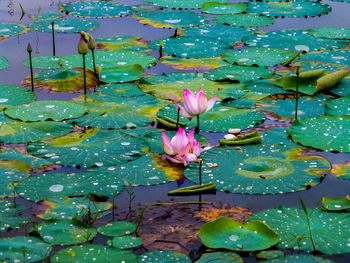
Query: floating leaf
pixel 10 217
pixel 227 233
pixel 122 42
pixel 238 73
pixel 342 88
pixel 260 169
pixel 291 225
pixel 116 229
pixel 90 147
pixel 244 20
pixel 70 25
pixel 34 162
pixel 330 32
pixel 298 40
pixel 120 90
pixel 305 66
pixel 46 16
pixel 341 57
pixel 13 95
pixel 9 29
pixel 93 253
pixel 4 63
pixel 56 110
pixel 163 256
pixel 295 8
pixel 12 249
pixel 342 171
pixel 336 203
pixel 270 254
pixel 301 258
pixel 259 56
pixel 220 257
pixel 191 47
pixel 121 73
pixel 181 4
pixel 332 133
pixel 95 9
pixel 43 62
pixel 42 186
pixel 171 19
pixel 65 232
pixel 223 8
pixel 125 242
pixel 192 63
pixel 339 106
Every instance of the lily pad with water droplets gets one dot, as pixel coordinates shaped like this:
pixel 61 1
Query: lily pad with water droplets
pixel 171 19
pixel 121 74
pixel 181 4
pixel 332 133
pixel 295 8
pixel 217 8
pixel 34 162
pixel 109 59
pixel 63 80
pixel 91 147
pixel 12 249
pixel 13 95
pixel 330 32
pixel 341 57
pixel 124 242
pixel 89 253
pixel 95 9
pixel 163 256
pixel 56 110
pixel 336 203
pixel 10 217
pixel 238 73
pixel 229 234
pixel 9 29
pixel 46 16
pixel 191 47
pixel 301 258
pixel 260 169
pixel 340 106
pixel 4 63
pixel 43 62
pixel 244 20
pixel 52 185
pixel 342 88
pixel 120 90
pixel 171 86
pixel 70 25
pixel 192 63
pixel 65 232
pixel 122 42
pixel 116 229
pixel 298 40
pixel 220 257
pixel 12 170
pixel 259 56
pixel 291 222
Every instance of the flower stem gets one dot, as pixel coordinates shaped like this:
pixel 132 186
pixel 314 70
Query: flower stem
pixel 84 75
pixel 31 71
pixel 53 38
pixel 197 128
pixel 297 95
pixel 93 60
pixel 178 118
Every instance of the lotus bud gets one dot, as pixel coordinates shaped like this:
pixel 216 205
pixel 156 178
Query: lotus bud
pixel 29 48
pixel 84 35
pixel 82 46
pixel 91 43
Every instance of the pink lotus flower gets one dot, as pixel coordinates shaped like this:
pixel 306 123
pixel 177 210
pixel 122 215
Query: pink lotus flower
pixel 195 105
pixel 181 148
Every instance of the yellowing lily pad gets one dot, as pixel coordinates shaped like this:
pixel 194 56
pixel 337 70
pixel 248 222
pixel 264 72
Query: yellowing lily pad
pixel 122 42
pixel 9 29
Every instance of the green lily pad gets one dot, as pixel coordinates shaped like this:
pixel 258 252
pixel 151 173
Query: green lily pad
pixel 116 112
pixel 342 88
pixel 341 57
pixel 227 233
pixel 339 106
pixel 170 86
pixel 4 63
pixel 195 64
pixel 244 20
pixel 224 33
pixel 181 4
pixel 298 40
pixel 125 242
pixel 13 95
pixel 301 258
pixel 163 256
pixel 93 253
pixel 46 16
pixel 332 133
pixel 13 170
pixel 122 42
pixel 342 171
pixel 330 32
pixel 295 8
pixel 12 249
pixel 110 59
pixel 270 254
pixel 223 8
pixel 336 203
pixel 291 225
pixel 65 232
pixel 70 207
pixel 71 25
pixel 282 106
pixel 238 73
pixel 259 56
pixel 9 29
pixel 191 47
pixel 305 66
pixel 43 62
pixel 63 80
pixel 10 217
pixel 42 186
pixel 121 73
pixel 95 9
pixel 120 90
pixel 117 228
pixel 89 147
pixel 171 19
pixel 220 257
pixel 34 162
pixel 260 169
pixel 56 110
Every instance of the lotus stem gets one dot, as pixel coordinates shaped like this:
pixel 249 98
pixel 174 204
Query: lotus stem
pixel 53 38
pixel 161 48
pixel 178 118
pixel 84 73
pixel 297 94
pixel 175 33
pixel 196 130
pixel 93 60
pixel 29 50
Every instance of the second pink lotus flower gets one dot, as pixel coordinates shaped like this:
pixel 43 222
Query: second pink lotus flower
pixel 181 148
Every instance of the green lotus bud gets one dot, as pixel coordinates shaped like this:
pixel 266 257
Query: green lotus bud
pixel 91 43
pixel 82 46
pixel 84 35
pixel 29 48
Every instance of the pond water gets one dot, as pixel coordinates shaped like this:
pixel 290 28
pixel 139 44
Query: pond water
pixel 14 49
